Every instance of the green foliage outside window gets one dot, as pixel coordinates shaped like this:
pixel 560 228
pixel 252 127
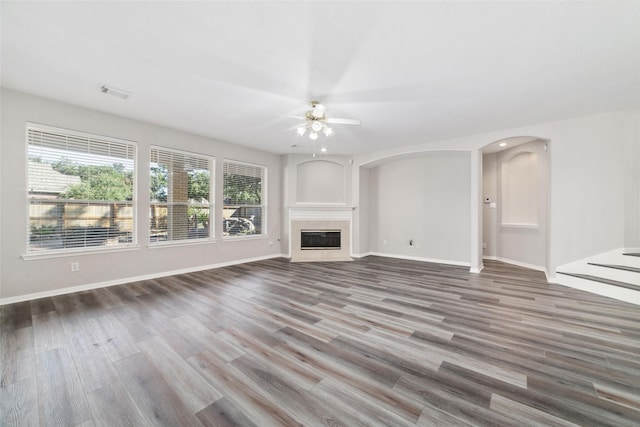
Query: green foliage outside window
pixel 97 182
pixel 242 189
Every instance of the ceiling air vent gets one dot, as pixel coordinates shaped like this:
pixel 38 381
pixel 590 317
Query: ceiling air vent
pixel 115 92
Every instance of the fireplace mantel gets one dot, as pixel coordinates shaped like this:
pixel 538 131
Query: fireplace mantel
pixel 320 212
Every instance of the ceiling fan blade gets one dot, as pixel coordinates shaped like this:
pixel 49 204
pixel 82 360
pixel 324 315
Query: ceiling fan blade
pixel 294 117
pixel 337 121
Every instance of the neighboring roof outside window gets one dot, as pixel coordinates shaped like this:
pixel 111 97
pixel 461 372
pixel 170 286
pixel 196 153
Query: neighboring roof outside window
pixel 44 180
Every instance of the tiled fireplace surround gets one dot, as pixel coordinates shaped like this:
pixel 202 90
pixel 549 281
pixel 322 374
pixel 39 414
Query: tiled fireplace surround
pixel 323 217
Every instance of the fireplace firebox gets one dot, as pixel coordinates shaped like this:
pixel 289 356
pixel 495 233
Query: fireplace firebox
pixel 320 239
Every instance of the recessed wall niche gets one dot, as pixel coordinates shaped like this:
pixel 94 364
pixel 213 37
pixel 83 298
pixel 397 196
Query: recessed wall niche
pixel 520 189
pixel 320 181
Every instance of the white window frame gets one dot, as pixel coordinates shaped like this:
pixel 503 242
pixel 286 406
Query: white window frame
pixel 30 252
pixel 262 206
pixel 211 162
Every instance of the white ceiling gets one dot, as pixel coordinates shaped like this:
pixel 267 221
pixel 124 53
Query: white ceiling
pixel 412 72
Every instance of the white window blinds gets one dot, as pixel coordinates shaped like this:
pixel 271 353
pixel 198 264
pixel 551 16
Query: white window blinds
pixel 80 190
pixel 244 210
pixel 181 186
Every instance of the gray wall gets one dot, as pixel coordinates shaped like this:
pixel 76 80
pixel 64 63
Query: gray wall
pixel 632 187
pixel 489 214
pixel 363 214
pixel 425 199
pixel 320 181
pixel 49 275
pixel 587 186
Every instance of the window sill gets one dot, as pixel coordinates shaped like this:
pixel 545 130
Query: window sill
pixel 61 253
pixel 519 225
pixel 179 243
pixel 247 237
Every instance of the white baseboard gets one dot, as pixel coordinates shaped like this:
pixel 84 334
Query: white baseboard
pixel 521 264
pixel 361 255
pixel 514 262
pixel 476 270
pixel 414 258
pixel 72 289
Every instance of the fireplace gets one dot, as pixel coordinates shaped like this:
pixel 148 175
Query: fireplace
pixel 320 233
pixel 320 240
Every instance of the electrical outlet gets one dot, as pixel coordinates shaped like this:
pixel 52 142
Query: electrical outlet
pixel 411 242
pixel 384 242
pixel 484 246
pixel 75 266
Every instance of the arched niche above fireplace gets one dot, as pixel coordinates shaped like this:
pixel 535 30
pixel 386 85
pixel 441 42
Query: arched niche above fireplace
pixel 320 181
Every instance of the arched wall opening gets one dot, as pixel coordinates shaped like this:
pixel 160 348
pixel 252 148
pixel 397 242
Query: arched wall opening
pixel 416 206
pixel 515 208
pixel 522 238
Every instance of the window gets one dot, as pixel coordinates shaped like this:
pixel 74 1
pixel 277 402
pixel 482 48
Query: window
pixel 180 186
pixel 80 191
pixel 244 210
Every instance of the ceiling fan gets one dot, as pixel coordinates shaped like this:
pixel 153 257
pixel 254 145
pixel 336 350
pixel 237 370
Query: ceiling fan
pixel 315 121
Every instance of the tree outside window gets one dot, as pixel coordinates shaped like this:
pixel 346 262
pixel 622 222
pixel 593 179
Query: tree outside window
pixel 180 192
pixel 80 190
pixel 244 208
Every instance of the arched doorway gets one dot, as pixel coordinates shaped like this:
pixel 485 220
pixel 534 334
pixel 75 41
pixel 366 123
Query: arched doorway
pixel 515 208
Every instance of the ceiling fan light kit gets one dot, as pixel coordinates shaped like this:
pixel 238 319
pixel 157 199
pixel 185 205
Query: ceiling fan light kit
pixel 315 121
pixel 315 126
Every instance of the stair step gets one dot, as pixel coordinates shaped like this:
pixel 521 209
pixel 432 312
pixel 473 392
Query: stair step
pixel 603 280
pixel 628 260
pixel 633 254
pixel 617 267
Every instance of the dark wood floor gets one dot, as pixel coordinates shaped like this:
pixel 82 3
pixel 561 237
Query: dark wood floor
pixel 372 342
